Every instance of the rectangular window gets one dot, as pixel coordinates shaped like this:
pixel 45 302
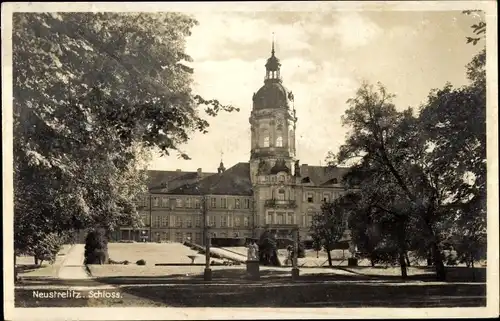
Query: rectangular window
pixel 211 221
pixel 223 203
pixel 223 221
pixel 247 203
pixel 178 221
pixel 156 201
pixel 178 237
pixel 189 236
pixel 237 203
pixel 189 222
pixel 246 222
pixel 197 221
pixel 279 217
pixel 270 218
pixel 213 202
pixel 171 202
pixel 197 238
pixel 164 202
pixel 165 236
pixel 157 221
pixel 326 197
pixel 188 202
pixel 309 220
pixel 178 202
pixel 237 221
pixel 310 198
pixel 196 203
pixel 164 221
pixel 290 218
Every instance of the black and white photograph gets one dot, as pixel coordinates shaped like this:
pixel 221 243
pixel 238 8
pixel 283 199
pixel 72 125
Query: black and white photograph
pixel 250 160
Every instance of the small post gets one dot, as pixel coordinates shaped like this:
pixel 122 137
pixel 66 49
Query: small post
pixel 295 269
pixel 207 275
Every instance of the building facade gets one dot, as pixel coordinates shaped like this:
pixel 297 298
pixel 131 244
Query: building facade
pixel 271 191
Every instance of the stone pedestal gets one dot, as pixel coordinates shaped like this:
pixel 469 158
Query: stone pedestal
pixel 295 273
pixel 207 274
pixel 253 272
pixel 352 261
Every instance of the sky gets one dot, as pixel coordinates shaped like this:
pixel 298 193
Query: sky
pixel 325 57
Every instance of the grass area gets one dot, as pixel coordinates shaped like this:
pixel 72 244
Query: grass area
pixel 316 287
pixel 112 270
pixel 25 265
pixel 153 253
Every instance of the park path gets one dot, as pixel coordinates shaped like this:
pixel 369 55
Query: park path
pixel 72 267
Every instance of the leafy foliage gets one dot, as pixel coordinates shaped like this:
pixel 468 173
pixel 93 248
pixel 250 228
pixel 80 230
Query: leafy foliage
pixel 48 247
pixel 329 225
pixel 94 93
pixel 420 179
pixel 96 247
pixel 268 250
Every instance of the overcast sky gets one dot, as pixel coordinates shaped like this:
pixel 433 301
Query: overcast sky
pixel 325 56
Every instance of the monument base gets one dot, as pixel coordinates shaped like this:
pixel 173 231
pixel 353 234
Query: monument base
pixel 295 273
pixel 253 272
pixel 207 274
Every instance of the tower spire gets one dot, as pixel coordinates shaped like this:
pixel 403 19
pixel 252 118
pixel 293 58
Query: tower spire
pixel 272 50
pixel 221 168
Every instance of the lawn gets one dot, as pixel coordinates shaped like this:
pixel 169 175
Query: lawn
pixel 25 265
pixel 153 253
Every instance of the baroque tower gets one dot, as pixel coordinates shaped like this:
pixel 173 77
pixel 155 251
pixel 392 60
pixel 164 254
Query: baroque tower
pixel 272 154
pixel 272 123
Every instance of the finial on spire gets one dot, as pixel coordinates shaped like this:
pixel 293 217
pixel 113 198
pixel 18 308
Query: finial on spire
pixel 272 51
pixel 221 168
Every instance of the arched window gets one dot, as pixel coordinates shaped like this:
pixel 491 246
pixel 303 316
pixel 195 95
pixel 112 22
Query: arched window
pixel 266 141
pixel 279 141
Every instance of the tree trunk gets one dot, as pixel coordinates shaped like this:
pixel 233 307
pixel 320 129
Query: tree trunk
pixel 402 263
pixel 407 259
pixel 438 263
pixel 372 262
pixel 36 260
pixel 15 269
pixel 329 258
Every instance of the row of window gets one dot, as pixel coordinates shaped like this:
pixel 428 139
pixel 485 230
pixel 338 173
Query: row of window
pixel 280 218
pixel 195 237
pixel 279 141
pixel 190 222
pixel 166 202
pixel 326 197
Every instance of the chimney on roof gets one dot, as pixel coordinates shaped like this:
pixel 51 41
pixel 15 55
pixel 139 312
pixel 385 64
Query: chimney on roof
pixel 304 172
pixel 198 171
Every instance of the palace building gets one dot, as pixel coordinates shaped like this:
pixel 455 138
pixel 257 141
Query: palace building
pixel 270 191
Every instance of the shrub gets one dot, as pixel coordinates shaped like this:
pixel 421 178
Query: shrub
pixel 47 248
pixel 96 247
pixel 140 262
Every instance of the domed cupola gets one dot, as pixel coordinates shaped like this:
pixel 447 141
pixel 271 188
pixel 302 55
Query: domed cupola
pixel 273 94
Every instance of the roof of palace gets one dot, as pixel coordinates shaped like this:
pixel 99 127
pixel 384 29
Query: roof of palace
pixel 323 175
pixel 233 181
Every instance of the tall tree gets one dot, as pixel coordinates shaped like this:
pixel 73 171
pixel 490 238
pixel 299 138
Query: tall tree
pixel 329 225
pixel 93 94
